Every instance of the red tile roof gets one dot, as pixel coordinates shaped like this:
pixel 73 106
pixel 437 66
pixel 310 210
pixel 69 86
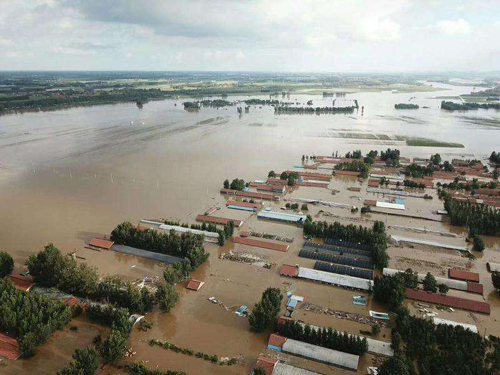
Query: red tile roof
pixel 261 244
pixel 249 194
pixel 21 282
pixel 9 347
pixel 231 202
pixel 70 302
pixel 475 288
pixel 456 302
pixel 218 220
pixel 194 284
pixel 463 275
pixel 266 363
pixel 101 243
pixel 313 184
pixel 290 271
pixel 276 340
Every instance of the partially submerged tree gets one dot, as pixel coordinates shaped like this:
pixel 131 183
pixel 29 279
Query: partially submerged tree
pixel 430 283
pixel 6 264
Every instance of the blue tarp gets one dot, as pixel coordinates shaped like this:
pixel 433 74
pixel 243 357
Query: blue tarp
pixel 275 348
pixel 292 303
pixel 234 207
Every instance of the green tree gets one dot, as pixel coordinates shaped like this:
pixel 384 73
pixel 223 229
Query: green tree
pixel 271 174
pixel 478 242
pixel 113 348
pixel 266 311
pixel 375 329
pixel 86 362
pixel 6 264
pixel 495 279
pixel 443 288
pixel 397 365
pixel 167 296
pixel 226 184
pixel 430 284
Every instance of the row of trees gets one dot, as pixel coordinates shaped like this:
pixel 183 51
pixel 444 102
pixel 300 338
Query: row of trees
pixel 266 311
pixel 391 157
pixel 406 106
pixel 187 245
pixel 354 166
pixel 6 264
pixel 140 369
pixel 451 106
pixel 325 337
pixel 30 317
pixel 50 268
pixel 413 184
pixel 390 290
pixel 440 349
pixel 479 218
pixel 85 362
pixel 310 110
pixel 236 184
pixel 374 237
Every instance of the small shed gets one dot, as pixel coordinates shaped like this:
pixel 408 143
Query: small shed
pixel 9 347
pixel 194 284
pixel 290 271
pixel 101 243
pixel 21 282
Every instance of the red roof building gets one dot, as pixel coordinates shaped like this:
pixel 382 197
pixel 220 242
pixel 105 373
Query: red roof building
pixel 455 302
pixel 218 220
pixel 266 363
pixel 276 340
pixel 463 275
pixel 475 288
pixel 261 244
pixel 231 202
pixel 290 271
pixel 21 282
pixel 101 243
pixel 194 284
pixel 9 347
pixel 70 302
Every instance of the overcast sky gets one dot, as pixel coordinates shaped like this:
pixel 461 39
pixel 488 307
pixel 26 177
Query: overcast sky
pixel 267 35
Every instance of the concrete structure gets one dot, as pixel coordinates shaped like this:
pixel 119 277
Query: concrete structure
pixel 419 241
pixel 320 354
pixel 157 257
pixel 335 279
pixel 493 267
pixel 450 283
pixel 262 244
pixel 471 327
pixel 280 216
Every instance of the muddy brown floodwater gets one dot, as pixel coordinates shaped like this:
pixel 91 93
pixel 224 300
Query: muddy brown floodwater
pixel 69 175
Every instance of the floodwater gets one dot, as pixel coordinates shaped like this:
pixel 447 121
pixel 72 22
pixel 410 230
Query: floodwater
pixel 69 175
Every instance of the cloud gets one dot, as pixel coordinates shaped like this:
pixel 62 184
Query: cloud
pixel 456 27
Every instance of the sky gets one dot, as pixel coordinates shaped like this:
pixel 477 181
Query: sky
pixel 251 35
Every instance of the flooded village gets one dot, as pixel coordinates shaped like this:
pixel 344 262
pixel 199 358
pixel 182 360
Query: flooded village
pixel 254 241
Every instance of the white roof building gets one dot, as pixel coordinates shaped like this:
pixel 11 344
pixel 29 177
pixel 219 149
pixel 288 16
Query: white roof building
pixel 335 279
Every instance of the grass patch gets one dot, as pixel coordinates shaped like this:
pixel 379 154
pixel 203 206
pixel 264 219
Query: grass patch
pixel 425 142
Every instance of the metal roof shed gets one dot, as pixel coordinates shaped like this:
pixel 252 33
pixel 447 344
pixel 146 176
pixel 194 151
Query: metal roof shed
pixel 320 354
pixel 335 279
pixel 284 369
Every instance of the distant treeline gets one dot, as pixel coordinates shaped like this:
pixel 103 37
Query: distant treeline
pixel 406 106
pixel 67 99
pixel 309 110
pixel 451 106
pixel 261 102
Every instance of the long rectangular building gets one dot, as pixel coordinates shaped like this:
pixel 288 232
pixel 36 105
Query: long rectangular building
pixel 320 354
pixel 455 302
pixel 218 220
pixel 262 244
pixel 250 194
pixel 335 279
pixel 281 216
